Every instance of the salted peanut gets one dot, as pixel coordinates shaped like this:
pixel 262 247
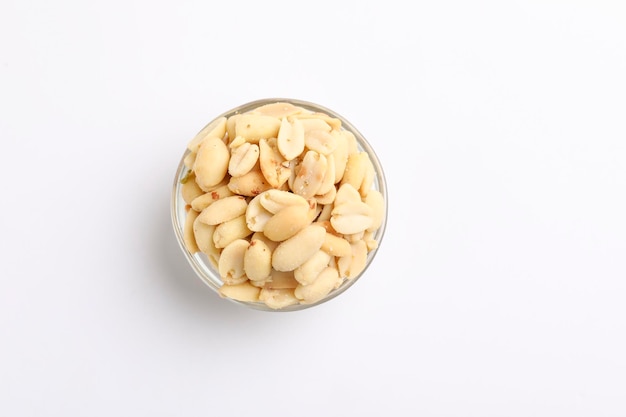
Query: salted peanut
pixel 281 280
pixel 311 123
pixel 318 289
pixel 274 166
pixel 261 237
pixel 211 163
pixel 353 146
pixel 376 201
pixel 245 292
pixel 354 237
pixel 327 226
pixel 351 266
pixel 190 159
pixel 230 127
pixel 256 215
pixel 231 230
pixel 340 154
pixel 334 123
pixel 278 110
pixel 276 200
pixel 290 141
pixel 257 261
pixel 254 127
pixel 355 169
pixel 231 262
pixel 242 159
pixel 326 199
pixel 190 189
pixel 287 222
pixel 328 182
pixel 306 273
pixel 189 237
pixel 351 217
pixel 321 141
pixel 310 174
pixel 251 184
pixel 205 200
pixel 215 129
pixel 278 298
pixel 370 241
pixel 325 213
pixel 223 210
pixel 204 239
pixel 296 250
pixel 347 194
pixel 335 245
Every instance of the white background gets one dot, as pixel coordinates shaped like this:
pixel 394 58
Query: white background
pixel 500 286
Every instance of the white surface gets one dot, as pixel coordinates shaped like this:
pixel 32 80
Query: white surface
pixel 500 287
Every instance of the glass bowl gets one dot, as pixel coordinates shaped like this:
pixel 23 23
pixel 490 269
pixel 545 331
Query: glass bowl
pixel 200 262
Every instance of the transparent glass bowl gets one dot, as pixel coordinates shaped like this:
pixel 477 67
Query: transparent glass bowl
pixel 200 262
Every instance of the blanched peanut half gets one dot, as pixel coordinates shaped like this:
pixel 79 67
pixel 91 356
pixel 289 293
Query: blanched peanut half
pixel 354 237
pixel 254 127
pixel 242 159
pixel 190 189
pixel 320 288
pixel 230 127
pixel 190 159
pixel 368 178
pixel 256 215
pixel 347 194
pixel 290 141
pixel 223 210
pixel 240 292
pixel 188 235
pixel 231 262
pixel 274 167
pixel 205 200
pixel 370 241
pixel 351 266
pixel 320 141
pixel 312 123
pixel 276 200
pixel 260 236
pixel 336 246
pixel 296 250
pixel 310 174
pixel 278 110
pixel 330 121
pixel 375 200
pixel 204 239
pixel 278 298
pixel 231 230
pixel 328 198
pixel 325 213
pixel 281 280
pixel 306 273
pixel 340 154
pixel 251 184
pixel 328 182
pixel 216 129
pixel 257 261
pixel 287 222
pixel 211 163
pixel 355 170
pixel 351 217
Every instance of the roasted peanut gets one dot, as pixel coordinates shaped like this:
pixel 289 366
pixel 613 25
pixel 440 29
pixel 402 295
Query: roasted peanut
pixel 205 200
pixel 190 189
pixel 318 289
pixel 352 265
pixel 254 127
pixel 274 167
pixel 211 163
pixel 231 230
pixel 278 298
pixel 287 222
pixel 257 261
pixel 242 159
pixel 296 250
pixel 251 184
pixel 290 141
pixel 231 262
pixel 223 210
pixel 189 237
pixel 216 129
pixel 241 292
pixel 310 174
pixel 351 217
pixel 306 273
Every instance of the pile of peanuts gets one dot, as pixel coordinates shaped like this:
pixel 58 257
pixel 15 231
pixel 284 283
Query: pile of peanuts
pixel 281 201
